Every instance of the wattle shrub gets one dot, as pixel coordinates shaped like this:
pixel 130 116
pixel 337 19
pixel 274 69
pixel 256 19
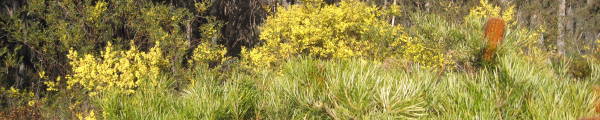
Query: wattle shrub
pixel 352 29
pixel 348 30
pixel 122 71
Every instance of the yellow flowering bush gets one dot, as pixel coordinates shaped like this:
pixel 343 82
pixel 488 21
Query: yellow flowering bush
pixel 14 92
pixel 89 116
pixel 52 85
pixel 208 52
pixel 350 29
pixel 417 51
pixel 595 51
pixel 96 11
pixel 598 46
pixel 123 71
pixel 17 97
pixel 486 10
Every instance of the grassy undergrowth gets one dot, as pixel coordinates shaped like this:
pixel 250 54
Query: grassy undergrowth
pixel 306 88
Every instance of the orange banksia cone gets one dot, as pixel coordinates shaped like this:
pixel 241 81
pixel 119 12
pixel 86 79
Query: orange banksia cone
pixel 494 34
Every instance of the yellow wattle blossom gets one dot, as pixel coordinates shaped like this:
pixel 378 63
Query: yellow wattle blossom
pixel 486 10
pixel 52 85
pixel 31 103
pixel 416 51
pixel 24 96
pixel 203 6
pixel 394 10
pixel 123 71
pixel 14 92
pixel 207 52
pixel 314 2
pixel 598 46
pixel 90 116
pixel 97 10
pixel 350 29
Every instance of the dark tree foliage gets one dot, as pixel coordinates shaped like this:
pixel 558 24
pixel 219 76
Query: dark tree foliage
pixel 16 59
pixel 242 18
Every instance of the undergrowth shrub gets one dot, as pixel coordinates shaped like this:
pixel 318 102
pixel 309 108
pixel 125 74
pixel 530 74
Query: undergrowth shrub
pixel 20 104
pixel 16 97
pixel 207 53
pixel 545 85
pixel 341 89
pixel 516 89
pixel 210 97
pixel 463 44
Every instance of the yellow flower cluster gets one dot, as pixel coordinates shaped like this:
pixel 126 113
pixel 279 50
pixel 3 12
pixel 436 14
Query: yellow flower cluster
pixel 96 11
pixel 595 53
pixel 350 29
pixel 211 30
pixel 203 6
pixel 90 116
pixel 598 46
pixel 52 85
pixel 313 2
pixel 207 52
pixel 14 92
pixel 416 51
pixel 17 96
pixel 394 10
pixel 117 70
pixel 486 10
pixel 257 58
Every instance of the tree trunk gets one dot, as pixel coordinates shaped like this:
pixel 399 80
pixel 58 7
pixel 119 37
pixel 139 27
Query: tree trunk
pixel 590 33
pixel 572 33
pixel 394 17
pixel 560 40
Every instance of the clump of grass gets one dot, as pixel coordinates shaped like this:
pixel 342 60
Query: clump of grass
pixel 208 98
pixel 353 89
pixel 307 88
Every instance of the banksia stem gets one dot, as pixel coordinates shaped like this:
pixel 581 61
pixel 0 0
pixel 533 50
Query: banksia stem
pixel 494 34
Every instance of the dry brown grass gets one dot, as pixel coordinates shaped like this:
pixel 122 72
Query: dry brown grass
pixel 21 113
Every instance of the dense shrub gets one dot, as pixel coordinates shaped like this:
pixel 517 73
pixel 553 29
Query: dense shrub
pixel 47 29
pixel 121 70
pixel 463 43
pixel 350 29
pixel 486 10
pixel 343 89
